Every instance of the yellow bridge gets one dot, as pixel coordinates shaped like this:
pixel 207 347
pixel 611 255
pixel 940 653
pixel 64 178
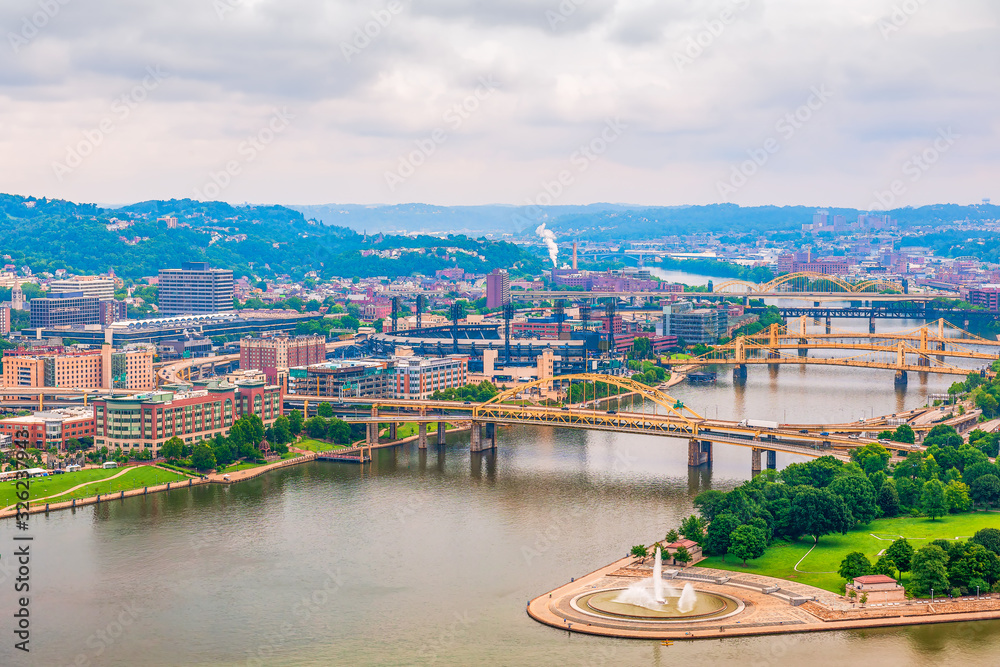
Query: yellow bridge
pixel 805 282
pixel 660 415
pixel 918 350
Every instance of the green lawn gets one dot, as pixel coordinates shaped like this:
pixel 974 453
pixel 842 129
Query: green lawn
pixel 242 465
pixel 410 429
pixel 311 445
pixel 820 568
pixel 135 478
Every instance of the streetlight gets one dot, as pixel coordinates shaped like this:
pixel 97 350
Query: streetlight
pixel 977 592
pixel 932 596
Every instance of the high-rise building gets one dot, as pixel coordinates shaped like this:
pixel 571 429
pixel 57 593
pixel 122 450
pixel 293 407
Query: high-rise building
pixel 195 289
pixel 4 320
pixel 497 289
pixel 102 288
pixel 277 354
pixel 129 368
pixel 64 309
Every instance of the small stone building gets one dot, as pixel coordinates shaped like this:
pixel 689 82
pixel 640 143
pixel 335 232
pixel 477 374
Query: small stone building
pixel 692 547
pixel 879 587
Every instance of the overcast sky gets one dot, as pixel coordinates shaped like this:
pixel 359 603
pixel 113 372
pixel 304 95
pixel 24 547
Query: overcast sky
pixel 496 101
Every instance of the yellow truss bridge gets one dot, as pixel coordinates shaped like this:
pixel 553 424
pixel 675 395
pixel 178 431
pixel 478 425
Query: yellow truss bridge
pixel 808 282
pixel 918 350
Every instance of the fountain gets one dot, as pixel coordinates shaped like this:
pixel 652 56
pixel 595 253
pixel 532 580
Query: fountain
pixel 657 600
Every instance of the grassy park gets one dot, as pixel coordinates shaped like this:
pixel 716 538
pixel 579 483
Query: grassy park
pixel 311 445
pixel 96 480
pixel 820 567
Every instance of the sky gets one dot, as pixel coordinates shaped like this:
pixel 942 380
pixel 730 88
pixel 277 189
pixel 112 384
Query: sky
pixel 857 103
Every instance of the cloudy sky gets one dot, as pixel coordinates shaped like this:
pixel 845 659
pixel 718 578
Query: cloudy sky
pixel 505 101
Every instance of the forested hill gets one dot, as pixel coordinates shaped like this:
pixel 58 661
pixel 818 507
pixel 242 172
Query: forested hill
pixel 264 241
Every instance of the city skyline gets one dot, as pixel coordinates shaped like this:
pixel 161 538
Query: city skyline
pixel 388 102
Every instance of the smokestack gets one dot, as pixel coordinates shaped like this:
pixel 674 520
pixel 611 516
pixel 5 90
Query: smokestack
pixel 574 255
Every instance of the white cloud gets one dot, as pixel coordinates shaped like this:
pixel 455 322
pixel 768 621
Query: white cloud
pixel 558 86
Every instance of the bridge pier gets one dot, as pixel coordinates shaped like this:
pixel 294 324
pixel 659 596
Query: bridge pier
pixel 699 452
pixel 755 461
pixel 393 427
pixel 422 435
pixel 829 325
pixel 478 442
pixel 772 459
pixel 371 435
pixel 901 379
pixel 740 374
pixel 441 430
pixel 871 325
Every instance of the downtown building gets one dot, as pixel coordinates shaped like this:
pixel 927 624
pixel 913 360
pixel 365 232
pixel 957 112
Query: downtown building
pixel 195 289
pixel 341 379
pixel 193 413
pixel 128 368
pixel 279 353
pixel 419 377
pixel 52 428
pixel 497 289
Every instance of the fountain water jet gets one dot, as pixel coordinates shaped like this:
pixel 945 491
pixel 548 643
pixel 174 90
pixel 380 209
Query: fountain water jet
pixel 658 576
pixel 688 599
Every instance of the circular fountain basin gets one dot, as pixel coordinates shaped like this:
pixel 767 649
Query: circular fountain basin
pixel 707 606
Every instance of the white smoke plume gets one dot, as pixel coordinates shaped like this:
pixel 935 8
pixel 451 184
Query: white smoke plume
pixel 550 241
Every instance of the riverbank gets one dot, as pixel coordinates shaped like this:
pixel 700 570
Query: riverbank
pixel 769 606
pixel 215 478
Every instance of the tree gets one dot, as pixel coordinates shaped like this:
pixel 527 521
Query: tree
pixel 710 504
pixel 818 512
pixel 693 528
pixel 859 495
pixel 325 410
pixel 985 490
pixel 932 500
pixel 172 449
pixel 203 458
pixel 717 536
pixel 988 404
pixel 295 421
pixel 872 458
pixel 863 599
pixel 281 430
pixel 884 565
pixel 900 553
pixel 888 499
pixel 682 555
pixel 989 538
pixel 316 427
pixel 929 571
pixel 639 551
pixel 855 564
pixel 904 433
pixel 956 494
pixel 671 536
pixel 339 432
pixel 747 542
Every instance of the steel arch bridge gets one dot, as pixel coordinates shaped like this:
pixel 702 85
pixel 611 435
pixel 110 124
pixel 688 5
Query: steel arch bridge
pixel 833 282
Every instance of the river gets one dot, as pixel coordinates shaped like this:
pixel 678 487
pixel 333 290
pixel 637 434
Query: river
pixel 429 557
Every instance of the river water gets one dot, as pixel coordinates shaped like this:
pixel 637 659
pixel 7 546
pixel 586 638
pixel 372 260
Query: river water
pixel 429 557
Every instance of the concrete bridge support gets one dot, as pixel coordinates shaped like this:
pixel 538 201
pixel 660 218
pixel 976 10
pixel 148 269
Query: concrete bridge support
pixel 393 429
pixel 755 461
pixel 772 459
pixel 829 325
pixel 901 379
pixel 422 436
pixel 871 325
pixel 699 452
pixel 371 435
pixel 740 374
pixel 441 431
pixel 484 437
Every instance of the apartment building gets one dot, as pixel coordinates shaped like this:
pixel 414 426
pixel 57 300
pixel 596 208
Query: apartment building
pixel 128 368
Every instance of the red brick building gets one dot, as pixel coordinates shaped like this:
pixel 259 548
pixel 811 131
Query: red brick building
pixel 280 353
pixel 52 428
